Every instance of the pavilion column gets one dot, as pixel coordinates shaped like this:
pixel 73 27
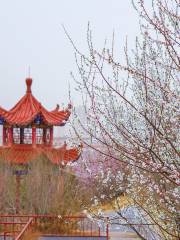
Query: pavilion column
pixel 21 135
pixel 51 136
pixel 33 136
pixel 44 135
pixel 4 136
pixel 10 135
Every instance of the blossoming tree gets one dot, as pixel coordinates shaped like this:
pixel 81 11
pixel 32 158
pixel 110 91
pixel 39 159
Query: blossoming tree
pixel 132 112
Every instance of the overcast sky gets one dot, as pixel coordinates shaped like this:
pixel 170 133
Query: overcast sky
pixel 31 35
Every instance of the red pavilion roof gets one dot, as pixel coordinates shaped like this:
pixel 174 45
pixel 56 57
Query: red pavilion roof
pixel 22 154
pixel 28 108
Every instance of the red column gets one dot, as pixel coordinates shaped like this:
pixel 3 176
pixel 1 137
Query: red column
pixel 4 136
pixel 21 135
pixel 33 136
pixel 44 135
pixel 51 136
pixel 10 135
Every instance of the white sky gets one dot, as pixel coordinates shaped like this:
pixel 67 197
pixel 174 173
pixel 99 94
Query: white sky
pixel 31 35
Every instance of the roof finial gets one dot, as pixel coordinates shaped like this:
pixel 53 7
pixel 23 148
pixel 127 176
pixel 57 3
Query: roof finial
pixel 28 84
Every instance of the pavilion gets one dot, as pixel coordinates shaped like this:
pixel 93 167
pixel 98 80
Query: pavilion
pixel 28 132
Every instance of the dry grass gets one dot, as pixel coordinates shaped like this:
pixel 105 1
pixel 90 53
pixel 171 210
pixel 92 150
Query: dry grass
pixel 32 235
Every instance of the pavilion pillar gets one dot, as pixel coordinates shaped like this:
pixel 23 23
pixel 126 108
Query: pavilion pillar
pixel 10 135
pixel 21 135
pixel 4 136
pixel 44 135
pixel 33 136
pixel 51 136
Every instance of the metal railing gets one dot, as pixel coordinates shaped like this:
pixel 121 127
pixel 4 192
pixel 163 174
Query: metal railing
pixel 25 229
pixel 74 226
pixel 12 225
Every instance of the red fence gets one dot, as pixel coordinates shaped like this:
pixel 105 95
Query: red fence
pixel 17 226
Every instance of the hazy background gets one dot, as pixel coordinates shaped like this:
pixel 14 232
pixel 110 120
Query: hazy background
pixel 31 35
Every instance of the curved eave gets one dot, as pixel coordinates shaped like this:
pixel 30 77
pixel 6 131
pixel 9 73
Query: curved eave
pixel 2 112
pixel 58 118
pixel 63 156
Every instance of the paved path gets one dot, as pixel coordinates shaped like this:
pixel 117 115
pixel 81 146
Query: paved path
pixel 123 236
pixel 72 238
pixel 120 232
